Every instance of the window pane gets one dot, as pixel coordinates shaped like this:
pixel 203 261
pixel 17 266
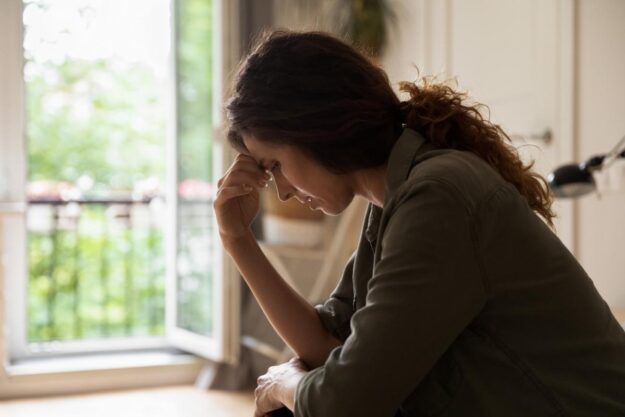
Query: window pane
pixel 96 78
pixel 195 178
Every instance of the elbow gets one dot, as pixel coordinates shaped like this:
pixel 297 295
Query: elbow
pixel 320 395
pixel 337 405
pixel 325 405
pixel 318 357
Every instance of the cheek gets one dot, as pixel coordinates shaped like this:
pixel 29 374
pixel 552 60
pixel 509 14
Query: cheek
pixel 314 181
pixel 303 179
pixel 335 207
pixel 336 197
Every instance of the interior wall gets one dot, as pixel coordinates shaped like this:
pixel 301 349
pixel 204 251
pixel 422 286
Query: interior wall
pixel 255 18
pixel 406 49
pixel 599 100
pixel 600 119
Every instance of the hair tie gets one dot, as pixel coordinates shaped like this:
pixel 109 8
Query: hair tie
pixel 401 111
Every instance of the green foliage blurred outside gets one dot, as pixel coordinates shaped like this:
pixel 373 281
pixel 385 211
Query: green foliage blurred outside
pixel 97 278
pixel 195 133
pixel 104 276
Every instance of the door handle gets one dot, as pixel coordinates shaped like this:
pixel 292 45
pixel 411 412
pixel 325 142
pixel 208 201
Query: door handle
pixel 546 136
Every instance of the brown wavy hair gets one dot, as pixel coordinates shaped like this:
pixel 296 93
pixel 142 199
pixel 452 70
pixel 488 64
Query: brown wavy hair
pixel 313 91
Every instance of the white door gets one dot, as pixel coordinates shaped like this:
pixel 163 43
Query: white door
pixel 515 56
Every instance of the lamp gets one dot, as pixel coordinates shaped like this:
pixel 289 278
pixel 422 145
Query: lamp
pixel 575 180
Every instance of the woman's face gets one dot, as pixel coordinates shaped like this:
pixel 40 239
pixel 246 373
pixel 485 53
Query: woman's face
pixel 297 175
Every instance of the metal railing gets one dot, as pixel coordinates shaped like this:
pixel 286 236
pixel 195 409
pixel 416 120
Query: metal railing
pixel 96 269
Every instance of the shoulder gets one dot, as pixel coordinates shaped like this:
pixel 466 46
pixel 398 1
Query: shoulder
pixel 463 177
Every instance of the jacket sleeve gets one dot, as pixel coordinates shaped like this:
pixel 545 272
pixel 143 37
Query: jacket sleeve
pixel 425 289
pixel 336 312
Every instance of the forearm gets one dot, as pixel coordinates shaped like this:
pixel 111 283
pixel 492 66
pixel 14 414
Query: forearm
pixel 293 318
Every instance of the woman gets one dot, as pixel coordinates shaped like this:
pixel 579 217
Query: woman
pixel 459 300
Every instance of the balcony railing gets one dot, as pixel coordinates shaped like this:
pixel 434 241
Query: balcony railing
pixel 96 269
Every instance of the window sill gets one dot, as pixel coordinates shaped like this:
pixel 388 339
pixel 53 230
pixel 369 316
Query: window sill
pixel 96 362
pixel 103 372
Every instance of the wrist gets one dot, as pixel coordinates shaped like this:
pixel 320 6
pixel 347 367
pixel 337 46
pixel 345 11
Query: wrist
pixel 288 391
pixel 231 243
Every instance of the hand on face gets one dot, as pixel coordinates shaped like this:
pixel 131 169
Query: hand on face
pixel 237 201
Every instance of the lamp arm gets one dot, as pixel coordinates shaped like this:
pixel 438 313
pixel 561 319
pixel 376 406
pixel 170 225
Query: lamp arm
pixel 614 153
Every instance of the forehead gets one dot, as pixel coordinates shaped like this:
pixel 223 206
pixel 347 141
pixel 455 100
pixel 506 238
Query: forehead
pixel 286 154
pixel 263 150
pixel 251 143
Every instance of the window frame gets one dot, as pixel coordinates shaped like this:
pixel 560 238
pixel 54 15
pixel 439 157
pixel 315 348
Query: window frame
pixel 225 345
pixel 13 168
pixel 170 369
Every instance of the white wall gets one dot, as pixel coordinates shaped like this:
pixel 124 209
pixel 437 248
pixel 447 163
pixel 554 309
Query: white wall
pixel 405 46
pixel 415 41
pixel 600 111
pixel 599 95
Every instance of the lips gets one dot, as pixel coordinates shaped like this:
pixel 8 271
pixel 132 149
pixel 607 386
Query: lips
pixel 308 201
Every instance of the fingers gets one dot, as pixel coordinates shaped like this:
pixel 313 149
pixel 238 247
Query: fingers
pixel 247 163
pixel 253 172
pixel 226 193
pixel 258 392
pixel 245 168
pixel 240 178
pixel 244 177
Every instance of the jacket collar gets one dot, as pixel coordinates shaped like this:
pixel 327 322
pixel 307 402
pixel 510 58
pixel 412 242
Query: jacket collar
pixel 400 161
pixel 408 146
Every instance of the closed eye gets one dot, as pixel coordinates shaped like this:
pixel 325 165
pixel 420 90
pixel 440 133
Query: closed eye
pixel 274 166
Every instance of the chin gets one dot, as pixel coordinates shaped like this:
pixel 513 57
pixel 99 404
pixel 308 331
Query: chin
pixel 329 213
pixel 333 211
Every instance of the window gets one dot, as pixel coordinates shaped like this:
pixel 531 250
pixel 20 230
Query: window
pixel 109 150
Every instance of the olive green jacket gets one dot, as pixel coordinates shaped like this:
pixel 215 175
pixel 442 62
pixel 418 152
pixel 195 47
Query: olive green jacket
pixel 460 301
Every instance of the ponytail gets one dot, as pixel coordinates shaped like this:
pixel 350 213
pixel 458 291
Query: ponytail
pixel 437 112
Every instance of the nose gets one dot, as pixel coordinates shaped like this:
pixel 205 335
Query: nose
pixel 284 188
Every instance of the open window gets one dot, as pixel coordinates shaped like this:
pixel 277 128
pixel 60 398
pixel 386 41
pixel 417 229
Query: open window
pixel 110 147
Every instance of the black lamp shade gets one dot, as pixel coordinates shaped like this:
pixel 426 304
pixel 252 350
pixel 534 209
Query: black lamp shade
pixel 570 181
